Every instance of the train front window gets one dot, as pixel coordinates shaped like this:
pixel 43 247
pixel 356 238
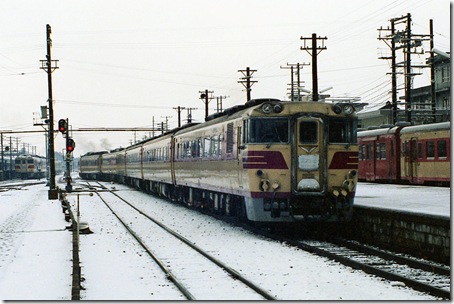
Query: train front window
pixel 267 130
pixel 308 132
pixel 342 131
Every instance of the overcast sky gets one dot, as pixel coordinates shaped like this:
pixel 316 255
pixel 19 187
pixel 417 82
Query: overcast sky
pixel 123 62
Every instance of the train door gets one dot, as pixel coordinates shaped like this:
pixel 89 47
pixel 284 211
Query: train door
pixel 141 163
pixel 173 152
pixel 413 163
pixel 308 161
pixel 410 162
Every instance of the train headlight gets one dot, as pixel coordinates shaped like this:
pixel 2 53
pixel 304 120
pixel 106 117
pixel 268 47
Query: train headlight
pixel 337 108
pixel 352 174
pixel 267 206
pixel 349 109
pixel 267 108
pixel 277 108
pixel 283 206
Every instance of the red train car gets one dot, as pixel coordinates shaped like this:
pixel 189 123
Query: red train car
pixel 405 154
pixel 379 152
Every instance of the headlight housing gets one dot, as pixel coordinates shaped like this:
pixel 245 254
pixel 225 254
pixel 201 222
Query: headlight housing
pixel 347 109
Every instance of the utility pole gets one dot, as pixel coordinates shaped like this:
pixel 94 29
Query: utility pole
pixel 314 50
pixel 167 123
pixel 3 163
pixel 179 109
pixel 298 66
pixel 206 96
pixel 219 103
pixel 432 70
pixel 246 81
pixel 49 66
pixel 408 76
pixel 189 115
pixel 391 42
pixel 405 40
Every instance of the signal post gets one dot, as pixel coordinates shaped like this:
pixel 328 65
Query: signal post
pixel 70 146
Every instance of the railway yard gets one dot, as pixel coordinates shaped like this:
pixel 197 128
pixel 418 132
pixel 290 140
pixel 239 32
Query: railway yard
pixel 146 248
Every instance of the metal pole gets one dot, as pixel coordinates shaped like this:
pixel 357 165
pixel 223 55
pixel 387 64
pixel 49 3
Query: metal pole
pixel 432 71
pixel 52 186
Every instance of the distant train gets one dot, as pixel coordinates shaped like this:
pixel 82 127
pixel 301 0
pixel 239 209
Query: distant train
pixel 30 166
pixel 265 161
pixel 406 154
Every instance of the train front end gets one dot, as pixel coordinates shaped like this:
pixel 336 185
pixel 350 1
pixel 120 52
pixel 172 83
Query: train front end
pixel 300 160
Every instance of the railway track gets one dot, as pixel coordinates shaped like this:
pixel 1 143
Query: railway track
pixel 420 275
pixel 401 271
pixel 19 185
pixel 196 273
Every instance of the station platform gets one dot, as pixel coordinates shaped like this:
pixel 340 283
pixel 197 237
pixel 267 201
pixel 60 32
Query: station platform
pixel 410 198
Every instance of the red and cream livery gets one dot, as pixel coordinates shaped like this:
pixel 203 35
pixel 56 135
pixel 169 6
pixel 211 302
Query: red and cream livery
pixel 265 161
pixel 407 154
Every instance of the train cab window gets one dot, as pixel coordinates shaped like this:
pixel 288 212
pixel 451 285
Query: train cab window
pixel 441 149
pixel 266 130
pixel 308 132
pixel 342 131
pixel 430 149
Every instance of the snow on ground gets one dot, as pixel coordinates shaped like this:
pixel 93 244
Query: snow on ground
pixel 35 249
pixel 35 256
pixel 416 199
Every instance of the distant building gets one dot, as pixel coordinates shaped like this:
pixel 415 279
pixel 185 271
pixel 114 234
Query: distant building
pixel 421 101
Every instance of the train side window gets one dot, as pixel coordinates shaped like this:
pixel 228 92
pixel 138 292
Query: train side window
pixel 370 151
pixel 214 146
pixel 221 144
pixel 420 150
pixel 430 149
pixel 229 146
pixel 206 147
pixel 361 152
pixel 380 151
pixel 441 149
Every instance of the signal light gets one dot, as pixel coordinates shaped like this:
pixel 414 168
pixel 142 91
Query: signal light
pixel 62 126
pixel 70 145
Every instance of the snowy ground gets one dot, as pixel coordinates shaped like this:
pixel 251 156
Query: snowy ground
pixel 35 256
pixel 416 199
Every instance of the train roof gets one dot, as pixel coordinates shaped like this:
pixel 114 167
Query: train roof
pixel 94 153
pixel 379 131
pixel 30 155
pixel 390 129
pixel 428 127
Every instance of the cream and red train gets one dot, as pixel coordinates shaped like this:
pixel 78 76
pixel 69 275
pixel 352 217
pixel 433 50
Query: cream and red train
pixel 30 166
pixel 408 154
pixel 265 161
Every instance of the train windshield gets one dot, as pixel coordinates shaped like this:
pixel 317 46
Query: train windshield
pixel 342 131
pixel 267 130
